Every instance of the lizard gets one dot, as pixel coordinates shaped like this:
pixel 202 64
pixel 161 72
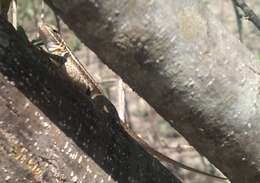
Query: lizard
pixel 77 72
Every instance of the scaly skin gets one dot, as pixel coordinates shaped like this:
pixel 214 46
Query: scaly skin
pixel 76 71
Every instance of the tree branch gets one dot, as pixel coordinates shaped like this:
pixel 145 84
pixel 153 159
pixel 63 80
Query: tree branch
pixel 183 62
pixel 249 13
pixel 59 135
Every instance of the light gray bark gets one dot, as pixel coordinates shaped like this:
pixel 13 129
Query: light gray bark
pixel 50 132
pixel 184 63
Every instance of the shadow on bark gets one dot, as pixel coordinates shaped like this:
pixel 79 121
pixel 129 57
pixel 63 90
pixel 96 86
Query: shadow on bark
pixel 49 132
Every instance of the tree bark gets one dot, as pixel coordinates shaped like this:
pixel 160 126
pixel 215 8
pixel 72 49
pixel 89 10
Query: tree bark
pixel 183 62
pixel 50 132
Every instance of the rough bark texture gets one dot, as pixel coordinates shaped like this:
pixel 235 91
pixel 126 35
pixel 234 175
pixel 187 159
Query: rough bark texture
pixel 49 132
pixel 180 59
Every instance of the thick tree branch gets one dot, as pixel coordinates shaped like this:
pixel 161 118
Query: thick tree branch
pixel 249 13
pixel 179 57
pixel 58 135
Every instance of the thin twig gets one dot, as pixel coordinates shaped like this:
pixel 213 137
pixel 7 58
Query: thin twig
pixel 249 13
pixel 121 100
pixel 14 13
pixel 42 16
pixel 58 23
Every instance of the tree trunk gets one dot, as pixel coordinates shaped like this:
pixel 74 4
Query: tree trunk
pixel 183 62
pixel 49 132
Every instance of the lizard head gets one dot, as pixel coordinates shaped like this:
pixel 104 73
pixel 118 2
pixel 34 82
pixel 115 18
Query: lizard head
pixel 50 35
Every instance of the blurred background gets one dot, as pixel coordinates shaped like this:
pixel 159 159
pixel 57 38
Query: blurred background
pixel 141 117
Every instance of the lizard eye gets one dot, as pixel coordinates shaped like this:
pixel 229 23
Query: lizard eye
pixel 55 30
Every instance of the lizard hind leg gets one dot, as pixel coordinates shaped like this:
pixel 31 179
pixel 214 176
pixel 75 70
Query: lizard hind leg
pixel 56 60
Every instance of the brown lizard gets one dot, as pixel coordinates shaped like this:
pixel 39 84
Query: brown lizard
pixel 77 72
